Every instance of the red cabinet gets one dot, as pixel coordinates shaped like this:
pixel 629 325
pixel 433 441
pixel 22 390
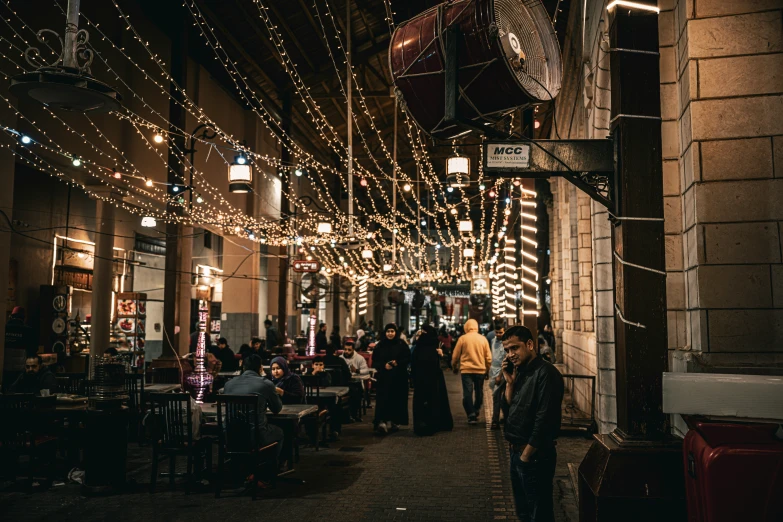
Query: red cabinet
pixel 733 471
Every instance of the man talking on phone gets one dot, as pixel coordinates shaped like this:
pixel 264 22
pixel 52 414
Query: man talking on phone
pixel 534 393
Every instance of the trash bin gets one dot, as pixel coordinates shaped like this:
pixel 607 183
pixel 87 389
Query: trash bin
pixel 733 471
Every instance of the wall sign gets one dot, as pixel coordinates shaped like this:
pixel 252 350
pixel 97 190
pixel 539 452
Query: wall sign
pixel 499 155
pixel 306 266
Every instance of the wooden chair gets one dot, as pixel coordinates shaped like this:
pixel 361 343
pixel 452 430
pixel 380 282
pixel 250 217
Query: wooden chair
pixel 166 376
pixel 134 388
pixel 72 383
pixel 172 434
pixel 239 433
pixel 316 424
pixel 20 434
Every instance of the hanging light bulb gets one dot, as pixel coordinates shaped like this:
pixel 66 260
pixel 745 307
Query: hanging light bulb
pixel 76 162
pixel 158 137
pixel 536 124
pixel 298 172
pixel 175 188
pixel 466 226
pixel 148 182
pixel 387 267
pixel 449 189
pixel 366 253
pixel 424 222
pixel 240 176
pixel 406 187
pixel 149 222
pixel 363 182
pixel 492 194
pixel 468 252
pixel 26 140
pixel 454 211
pixel 199 199
pixel 482 186
pixel 116 174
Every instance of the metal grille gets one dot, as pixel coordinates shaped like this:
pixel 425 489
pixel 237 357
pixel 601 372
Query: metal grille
pixel 528 20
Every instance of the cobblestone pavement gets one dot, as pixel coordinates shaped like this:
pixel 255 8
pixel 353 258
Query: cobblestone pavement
pixel 462 475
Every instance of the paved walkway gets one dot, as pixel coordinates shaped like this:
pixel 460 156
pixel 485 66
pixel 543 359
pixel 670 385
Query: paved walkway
pixel 460 475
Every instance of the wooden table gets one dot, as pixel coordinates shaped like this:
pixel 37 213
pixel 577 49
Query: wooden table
pixel 289 411
pixel 287 420
pixel 161 388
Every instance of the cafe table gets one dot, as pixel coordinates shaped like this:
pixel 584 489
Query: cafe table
pixel 287 420
pixel 161 388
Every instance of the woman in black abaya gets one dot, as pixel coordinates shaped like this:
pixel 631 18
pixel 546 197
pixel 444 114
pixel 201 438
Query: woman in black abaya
pixel 431 410
pixel 390 358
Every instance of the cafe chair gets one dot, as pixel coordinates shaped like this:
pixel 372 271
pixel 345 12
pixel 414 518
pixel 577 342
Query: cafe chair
pixel 21 435
pixel 316 424
pixel 172 435
pixel 238 431
pixel 134 389
pixel 166 376
pixel 71 383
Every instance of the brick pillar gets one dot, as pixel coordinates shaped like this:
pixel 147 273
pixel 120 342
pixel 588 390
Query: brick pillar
pixel 726 140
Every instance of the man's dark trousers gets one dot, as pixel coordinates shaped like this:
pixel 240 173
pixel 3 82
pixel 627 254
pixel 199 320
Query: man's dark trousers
pixel 472 382
pixel 532 483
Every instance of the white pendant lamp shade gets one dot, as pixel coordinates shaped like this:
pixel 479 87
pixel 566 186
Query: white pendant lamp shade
pixel 324 227
pixel 458 171
pixel 367 253
pixel 468 252
pixel 466 226
pixel 240 176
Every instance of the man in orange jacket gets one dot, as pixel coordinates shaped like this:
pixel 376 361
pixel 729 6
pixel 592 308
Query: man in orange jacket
pixel 472 358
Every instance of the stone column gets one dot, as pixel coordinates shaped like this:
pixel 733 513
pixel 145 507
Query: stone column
pixel 102 279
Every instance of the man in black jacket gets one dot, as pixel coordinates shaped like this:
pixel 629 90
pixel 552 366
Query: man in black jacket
pixel 36 377
pixel 534 393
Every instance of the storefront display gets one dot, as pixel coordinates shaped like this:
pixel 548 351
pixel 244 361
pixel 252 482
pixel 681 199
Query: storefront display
pixel 131 322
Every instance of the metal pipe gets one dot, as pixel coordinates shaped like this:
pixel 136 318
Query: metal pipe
pixel 349 116
pixel 71 28
pixel 394 183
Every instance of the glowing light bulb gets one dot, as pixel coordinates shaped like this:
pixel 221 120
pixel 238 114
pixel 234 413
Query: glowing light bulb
pixel 26 140
pixel 76 162
pixel 116 174
pixel 298 172
pixel 363 182
pixel 148 182
pixel 406 187
pixel 199 199
pixel 175 188
pixel 449 189
pixel 158 137
pixel 482 186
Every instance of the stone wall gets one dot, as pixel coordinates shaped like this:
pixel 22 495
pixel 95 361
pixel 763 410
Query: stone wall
pixel 722 101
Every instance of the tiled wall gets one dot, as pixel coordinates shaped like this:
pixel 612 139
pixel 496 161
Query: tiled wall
pixel 239 328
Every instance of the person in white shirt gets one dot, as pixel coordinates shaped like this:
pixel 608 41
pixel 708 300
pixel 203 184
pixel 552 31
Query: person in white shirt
pixel 356 363
pixel 358 366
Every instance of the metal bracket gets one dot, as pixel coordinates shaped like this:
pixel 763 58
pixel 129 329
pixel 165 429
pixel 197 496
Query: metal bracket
pixel 589 164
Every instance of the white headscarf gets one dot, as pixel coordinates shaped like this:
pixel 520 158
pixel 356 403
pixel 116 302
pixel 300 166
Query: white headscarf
pixel 359 334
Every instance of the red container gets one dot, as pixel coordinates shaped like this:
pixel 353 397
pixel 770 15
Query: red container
pixel 733 471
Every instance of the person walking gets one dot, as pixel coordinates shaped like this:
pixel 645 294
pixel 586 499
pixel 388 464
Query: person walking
pixel 445 340
pixel 431 410
pixel 320 339
pixel 390 358
pixel 534 393
pixel 495 378
pixel 472 359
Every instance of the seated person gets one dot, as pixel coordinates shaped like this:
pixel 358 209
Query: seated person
pixel 323 379
pixel 358 366
pixel 251 382
pixel 245 350
pixel 356 363
pixel 288 385
pixel 225 355
pixel 36 377
pixel 341 374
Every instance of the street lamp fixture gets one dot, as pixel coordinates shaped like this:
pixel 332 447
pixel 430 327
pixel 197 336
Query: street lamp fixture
pixel 240 176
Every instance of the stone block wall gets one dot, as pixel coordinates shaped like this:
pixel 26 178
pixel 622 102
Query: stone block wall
pixel 722 101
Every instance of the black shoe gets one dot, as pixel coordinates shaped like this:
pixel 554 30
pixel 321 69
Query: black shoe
pixel 472 420
pixel 494 426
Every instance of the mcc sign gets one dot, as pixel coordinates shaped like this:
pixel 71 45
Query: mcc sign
pixel 506 156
